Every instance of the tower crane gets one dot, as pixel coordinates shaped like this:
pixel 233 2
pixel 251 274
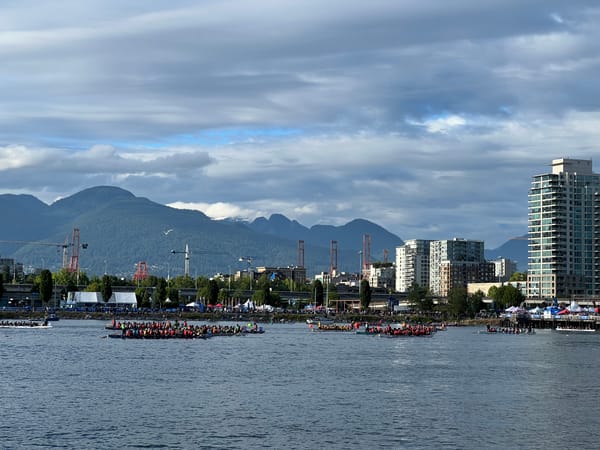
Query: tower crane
pixel 73 264
pixel 63 246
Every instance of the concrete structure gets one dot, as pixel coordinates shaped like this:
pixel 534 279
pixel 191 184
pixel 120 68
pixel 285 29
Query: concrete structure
pixel 472 288
pixel 456 263
pixel 503 269
pixel 412 264
pixel 382 277
pixel 564 227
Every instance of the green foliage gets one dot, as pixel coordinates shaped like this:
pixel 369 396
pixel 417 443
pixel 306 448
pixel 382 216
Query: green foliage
pixel 106 288
pixel 475 303
pixel 142 295
pixel 505 296
pixel 161 291
pixel 518 276
pixel 65 278
pixel 212 292
pixel 420 298
pixel 365 294
pixel 5 273
pixel 46 286
pixel 1 285
pixel 332 293
pixel 173 296
pixel 457 301
pixel 317 292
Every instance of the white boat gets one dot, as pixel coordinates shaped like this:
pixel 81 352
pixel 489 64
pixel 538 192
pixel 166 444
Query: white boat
pixel 575 330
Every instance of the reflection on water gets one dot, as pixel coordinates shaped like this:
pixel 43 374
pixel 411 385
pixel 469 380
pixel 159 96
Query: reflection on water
pixel 69 387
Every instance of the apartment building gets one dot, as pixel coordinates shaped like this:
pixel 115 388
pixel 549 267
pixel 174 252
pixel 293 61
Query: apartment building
pixel 564 227
pixel 412 264
pixel 456 263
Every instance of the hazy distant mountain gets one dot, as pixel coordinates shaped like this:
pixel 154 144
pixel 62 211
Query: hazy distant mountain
pixel 515 249
pixel 121 229
pixel 349 237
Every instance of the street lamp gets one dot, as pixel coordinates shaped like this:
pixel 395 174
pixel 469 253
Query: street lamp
pixel 360 254
pixel 186 253
pixel 248 260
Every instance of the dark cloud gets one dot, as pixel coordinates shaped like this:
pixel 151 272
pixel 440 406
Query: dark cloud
pixel 429 119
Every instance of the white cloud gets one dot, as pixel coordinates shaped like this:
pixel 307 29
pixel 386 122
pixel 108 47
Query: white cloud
pixel 427 119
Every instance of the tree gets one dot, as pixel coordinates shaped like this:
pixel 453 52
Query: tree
pixel 173 295
pixel 65 278
pixel 475 303
pixel 106 288
pixel 142 296
pixel 317 292
pixel 420 297
pixel 1 285
pixel 161 291
pixel 505 296
pixel 457 301
pixel 518 276
pixel 46 286
pixel 365 294
pixel 212 292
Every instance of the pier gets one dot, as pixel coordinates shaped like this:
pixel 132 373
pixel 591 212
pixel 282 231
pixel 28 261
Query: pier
pixel 569 321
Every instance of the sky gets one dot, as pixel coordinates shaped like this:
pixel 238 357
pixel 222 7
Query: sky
pixel 426 117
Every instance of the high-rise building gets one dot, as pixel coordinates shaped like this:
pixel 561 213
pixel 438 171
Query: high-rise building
pixel 564 227
pixel 412 264
pixel 456 263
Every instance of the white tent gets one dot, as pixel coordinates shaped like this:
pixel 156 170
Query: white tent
pixel 77 298
pixel 123 299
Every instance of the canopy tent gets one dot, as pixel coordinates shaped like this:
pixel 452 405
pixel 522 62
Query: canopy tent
pixel 515 309
pixel 123 299
pixel 78 298
pixel 195 305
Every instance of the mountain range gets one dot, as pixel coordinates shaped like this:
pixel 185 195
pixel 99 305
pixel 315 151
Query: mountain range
pixel 117 230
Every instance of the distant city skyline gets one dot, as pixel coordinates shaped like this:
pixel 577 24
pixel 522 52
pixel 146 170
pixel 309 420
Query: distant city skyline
pixel 427 118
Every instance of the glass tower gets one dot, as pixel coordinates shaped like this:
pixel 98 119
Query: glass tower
pixel 564 227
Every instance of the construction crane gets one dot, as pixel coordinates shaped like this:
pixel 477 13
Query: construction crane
pixel 63 246
pixel 72 264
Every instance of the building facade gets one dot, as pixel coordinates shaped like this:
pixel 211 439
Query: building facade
pixel 456 263
pixel 382 277
pixel 504 268
pixel 564 231
pixel 412 264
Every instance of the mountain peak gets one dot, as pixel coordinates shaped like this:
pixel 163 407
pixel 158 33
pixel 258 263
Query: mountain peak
pixel 94 196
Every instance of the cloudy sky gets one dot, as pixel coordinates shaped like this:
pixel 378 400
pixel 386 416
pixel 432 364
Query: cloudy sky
pixel 426 117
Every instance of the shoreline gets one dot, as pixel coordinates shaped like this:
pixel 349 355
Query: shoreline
pixel 232 317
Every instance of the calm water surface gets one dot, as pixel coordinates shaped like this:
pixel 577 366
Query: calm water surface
pixel 69 387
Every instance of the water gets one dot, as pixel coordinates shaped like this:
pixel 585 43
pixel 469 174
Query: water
pixel 70 388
